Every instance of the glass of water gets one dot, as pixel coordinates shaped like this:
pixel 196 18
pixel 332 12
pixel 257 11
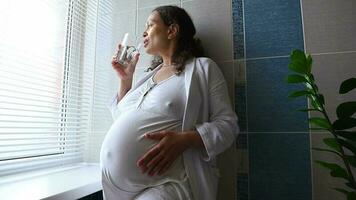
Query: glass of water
pixel 127 52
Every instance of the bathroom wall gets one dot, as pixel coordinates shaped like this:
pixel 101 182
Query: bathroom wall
pixel 274 156
pixel 251 42
pixel 330 29
pixel 273 148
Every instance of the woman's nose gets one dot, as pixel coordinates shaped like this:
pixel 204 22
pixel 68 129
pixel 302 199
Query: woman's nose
pixel 144 34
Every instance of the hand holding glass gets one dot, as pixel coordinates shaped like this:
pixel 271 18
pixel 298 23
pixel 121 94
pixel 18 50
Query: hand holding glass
pixel 126 52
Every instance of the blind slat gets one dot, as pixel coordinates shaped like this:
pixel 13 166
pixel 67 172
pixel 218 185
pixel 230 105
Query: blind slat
pixel 46 91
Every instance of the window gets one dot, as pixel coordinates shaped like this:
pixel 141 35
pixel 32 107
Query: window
pixel 47 81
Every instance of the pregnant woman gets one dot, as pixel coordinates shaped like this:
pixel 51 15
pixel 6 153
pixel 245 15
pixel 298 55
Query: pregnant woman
pixel 170 126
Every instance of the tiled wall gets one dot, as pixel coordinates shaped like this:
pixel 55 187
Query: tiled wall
pixel 330 29
pixel 251 41
pixel 275 137
pixel 276 140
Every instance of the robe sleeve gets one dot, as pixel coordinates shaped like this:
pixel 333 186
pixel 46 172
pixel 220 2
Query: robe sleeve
pixel 112 106
pixel 222 129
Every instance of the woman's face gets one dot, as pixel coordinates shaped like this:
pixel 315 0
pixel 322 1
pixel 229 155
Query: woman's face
pixel 155 35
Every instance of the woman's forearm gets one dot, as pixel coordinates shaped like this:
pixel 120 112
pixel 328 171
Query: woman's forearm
pixel 193 139
pixel 124 87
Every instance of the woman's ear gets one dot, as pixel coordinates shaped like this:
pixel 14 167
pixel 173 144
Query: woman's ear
pixel 173 31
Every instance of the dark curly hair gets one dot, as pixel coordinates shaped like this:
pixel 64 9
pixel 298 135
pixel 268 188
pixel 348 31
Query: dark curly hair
pixel 187 46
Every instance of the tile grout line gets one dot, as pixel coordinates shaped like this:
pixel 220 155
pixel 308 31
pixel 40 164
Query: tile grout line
pixel 303 26
pixel 285 56
pixel 246 103
pixel 328 53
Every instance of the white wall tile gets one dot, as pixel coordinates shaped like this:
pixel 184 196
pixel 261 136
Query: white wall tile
pixel 213 21
pixel 329 25
pixel 329 72
pixel 227 165
pixel 322 181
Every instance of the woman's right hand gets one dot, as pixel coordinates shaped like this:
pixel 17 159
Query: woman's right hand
pixel 125 73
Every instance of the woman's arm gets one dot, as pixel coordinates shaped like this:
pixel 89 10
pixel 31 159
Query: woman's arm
pixel 124 87
pixel 193 139
pixel 221 130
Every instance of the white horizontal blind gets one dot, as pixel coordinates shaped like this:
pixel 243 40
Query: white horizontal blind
pixel 47 63
pixel 106 80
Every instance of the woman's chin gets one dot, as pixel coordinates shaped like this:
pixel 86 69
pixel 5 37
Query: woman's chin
pixel 150 51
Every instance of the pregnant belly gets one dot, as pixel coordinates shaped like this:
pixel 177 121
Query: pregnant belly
pixel 124 145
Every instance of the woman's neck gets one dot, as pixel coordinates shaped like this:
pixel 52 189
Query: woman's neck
pixel 167 57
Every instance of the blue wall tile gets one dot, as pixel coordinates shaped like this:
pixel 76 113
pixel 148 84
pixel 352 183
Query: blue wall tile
pixel 240 106
pixel 279 158
pixel 242 186
pixel 238 29
pixel 272 27
pixel 279 166
pixel 268 107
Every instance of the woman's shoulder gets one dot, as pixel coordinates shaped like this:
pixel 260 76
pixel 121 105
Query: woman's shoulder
pixel 205 60
pixel 207 63
pixel 209 67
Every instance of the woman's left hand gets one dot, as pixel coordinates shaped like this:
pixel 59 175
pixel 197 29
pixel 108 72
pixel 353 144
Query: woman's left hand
pixel 160 157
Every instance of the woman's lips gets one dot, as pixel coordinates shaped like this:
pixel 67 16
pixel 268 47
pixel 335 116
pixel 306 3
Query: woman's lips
pixel 145 43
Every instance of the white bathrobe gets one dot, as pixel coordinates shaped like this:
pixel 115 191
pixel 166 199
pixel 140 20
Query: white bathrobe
pixel 209 111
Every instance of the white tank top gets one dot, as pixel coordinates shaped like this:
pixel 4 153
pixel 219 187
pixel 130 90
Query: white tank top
pixel 150 107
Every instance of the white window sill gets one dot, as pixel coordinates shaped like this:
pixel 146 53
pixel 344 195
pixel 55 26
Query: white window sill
pixel 69 182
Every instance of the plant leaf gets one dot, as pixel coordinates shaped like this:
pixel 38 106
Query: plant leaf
pixel 347 145
pixel 321 122
pixel 321 99
pixel 349 184
pixel 297 66
pixel 346 109
pixel 347 134
pixel 311 77
pixel 295 78
pixel 351 196
pixel 298 62
pixel 341 190
pixel 347 85
pixel 351 160
pixel 298 54
pixel 336 170
pixel 309 62
pixel 332 143
pixel 315 104
pixel 344 123
pixel 299 93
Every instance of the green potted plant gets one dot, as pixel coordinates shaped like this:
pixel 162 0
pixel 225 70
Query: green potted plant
pixel 342 133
